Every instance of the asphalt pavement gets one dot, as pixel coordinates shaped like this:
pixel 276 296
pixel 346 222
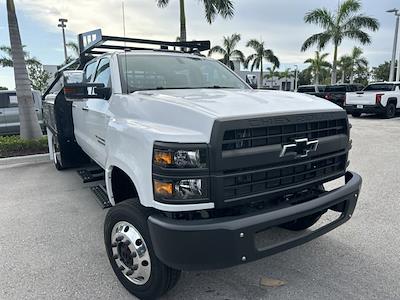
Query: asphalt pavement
pixel 51 238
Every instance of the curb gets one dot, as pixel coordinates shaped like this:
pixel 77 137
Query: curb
pixel 38 158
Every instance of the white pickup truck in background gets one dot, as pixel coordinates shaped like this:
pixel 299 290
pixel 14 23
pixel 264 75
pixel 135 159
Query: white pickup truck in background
pixel 382 98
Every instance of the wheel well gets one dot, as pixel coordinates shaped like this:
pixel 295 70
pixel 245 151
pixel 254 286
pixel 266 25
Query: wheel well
pixel 122 186
pixel 393 100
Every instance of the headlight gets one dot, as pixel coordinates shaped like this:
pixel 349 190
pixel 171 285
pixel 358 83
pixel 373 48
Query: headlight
pixel 181 159
pixel 182 189
pixel 180 173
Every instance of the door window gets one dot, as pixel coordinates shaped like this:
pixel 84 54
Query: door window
pixel 103 74
pixel 89 71
pixel 4 100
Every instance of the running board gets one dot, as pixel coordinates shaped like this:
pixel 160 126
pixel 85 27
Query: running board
pixel 101 195
pixel 91 174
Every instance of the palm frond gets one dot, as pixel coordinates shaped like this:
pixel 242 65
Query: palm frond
pixel 319 39
pixel 225 8
pixel 237 54
pixel 347 8
pixel 218 50
pixel 255 44
pixel 356 34
pixel 162 3
pixel 362 21
pixel 270 56
pixel 250 58
pixel 321 17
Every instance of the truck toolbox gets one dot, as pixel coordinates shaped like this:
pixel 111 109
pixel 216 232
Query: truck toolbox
pixel 225 242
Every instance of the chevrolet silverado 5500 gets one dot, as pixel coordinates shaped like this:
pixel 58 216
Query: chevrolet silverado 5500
pixel 196 162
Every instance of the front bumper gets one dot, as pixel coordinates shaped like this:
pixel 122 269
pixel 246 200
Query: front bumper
pixel 367 109
pixel 223 242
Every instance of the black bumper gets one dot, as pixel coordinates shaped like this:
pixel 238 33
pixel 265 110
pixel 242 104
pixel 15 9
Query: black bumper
pixel 367 109
pixel 223 242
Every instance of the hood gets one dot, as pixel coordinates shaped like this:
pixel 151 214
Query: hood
pixel 228 103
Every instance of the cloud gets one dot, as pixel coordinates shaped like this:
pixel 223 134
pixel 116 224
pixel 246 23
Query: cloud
pixel 279 23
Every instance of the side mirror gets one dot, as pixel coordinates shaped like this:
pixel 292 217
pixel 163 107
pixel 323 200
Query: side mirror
pixel 75 87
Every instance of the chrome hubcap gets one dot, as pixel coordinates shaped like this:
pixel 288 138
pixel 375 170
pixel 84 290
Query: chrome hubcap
pixel 130 253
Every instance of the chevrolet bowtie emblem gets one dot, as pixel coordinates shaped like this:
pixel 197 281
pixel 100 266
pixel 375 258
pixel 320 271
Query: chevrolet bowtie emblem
pixel 300 148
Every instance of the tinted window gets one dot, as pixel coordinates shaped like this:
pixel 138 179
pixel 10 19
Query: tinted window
pixel 336 88
pixel 4 102
pixel 103 72
pixel 380 87
pixel 306 89
pixel 89 71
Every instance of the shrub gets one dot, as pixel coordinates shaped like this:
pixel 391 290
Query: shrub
pixel 15 146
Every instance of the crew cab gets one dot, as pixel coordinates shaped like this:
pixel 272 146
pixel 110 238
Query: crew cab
pixel 196 163
pixel 382 98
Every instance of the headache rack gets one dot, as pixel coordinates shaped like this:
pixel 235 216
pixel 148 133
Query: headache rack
pixel 94 43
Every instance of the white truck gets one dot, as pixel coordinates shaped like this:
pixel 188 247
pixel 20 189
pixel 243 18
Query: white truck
pixel 196 163
pixel 382 98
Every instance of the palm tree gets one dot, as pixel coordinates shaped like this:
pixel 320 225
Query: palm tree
pixel 317 64
pixel 287 74
pixel 346 22
pixel 212 9
pixel 272 72
pixel 259 56
pixel 357 62
pixel 229 51
pixel 29 125
pixel 344 64
pixel 7 61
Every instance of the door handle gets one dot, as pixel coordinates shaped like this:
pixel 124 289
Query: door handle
pixel 85 108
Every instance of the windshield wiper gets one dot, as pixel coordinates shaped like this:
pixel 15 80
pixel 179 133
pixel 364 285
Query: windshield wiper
pixel 218 87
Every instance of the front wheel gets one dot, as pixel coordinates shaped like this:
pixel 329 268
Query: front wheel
pixel 131 254
pixel 57 155
pixel 390 111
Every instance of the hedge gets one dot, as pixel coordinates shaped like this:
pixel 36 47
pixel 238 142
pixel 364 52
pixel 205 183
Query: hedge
pixel 15 146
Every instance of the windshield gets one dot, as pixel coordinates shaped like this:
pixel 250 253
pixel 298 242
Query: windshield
pixel 157 72
pixel 380 87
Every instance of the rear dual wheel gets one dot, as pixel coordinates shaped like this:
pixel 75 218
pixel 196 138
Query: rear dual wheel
pixel 131 254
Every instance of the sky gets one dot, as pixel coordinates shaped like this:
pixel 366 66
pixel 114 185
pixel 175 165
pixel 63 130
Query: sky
pixel 278 22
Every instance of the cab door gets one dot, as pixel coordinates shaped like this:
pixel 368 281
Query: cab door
pixel 79 112
pixel 12 114
pixel 97 114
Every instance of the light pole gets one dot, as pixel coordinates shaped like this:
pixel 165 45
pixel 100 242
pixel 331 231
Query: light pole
pixel 296 77
pixel 396 31
pixel 63 25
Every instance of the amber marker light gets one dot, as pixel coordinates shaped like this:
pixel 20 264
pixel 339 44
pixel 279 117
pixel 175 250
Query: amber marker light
pixel 163 158
pixel 164 189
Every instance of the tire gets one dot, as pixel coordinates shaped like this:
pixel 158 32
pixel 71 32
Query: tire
pixel 57 156
pixel 356 114
pixel 128 220
pixel 390 111
pixel 302 223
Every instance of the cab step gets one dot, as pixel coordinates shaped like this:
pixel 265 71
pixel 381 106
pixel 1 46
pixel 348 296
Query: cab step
pixel 91 174
pixel 101 195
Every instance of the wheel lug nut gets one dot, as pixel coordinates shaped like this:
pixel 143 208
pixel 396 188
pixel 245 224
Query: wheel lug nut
pixel 133 254
pixel 122 268
pixel 135 267
pixel 120 238
pixel 129 273
pixel 115 256
pixel 127 242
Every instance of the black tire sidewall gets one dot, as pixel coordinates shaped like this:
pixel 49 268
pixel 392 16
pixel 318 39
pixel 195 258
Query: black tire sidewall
pixel 132 213
pixel 390 110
